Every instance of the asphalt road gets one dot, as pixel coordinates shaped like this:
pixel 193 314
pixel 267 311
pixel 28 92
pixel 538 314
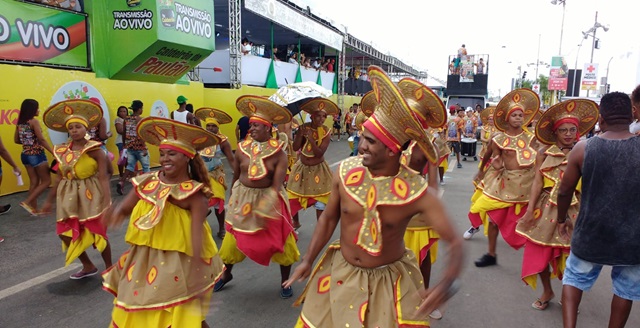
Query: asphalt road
pixel 35 290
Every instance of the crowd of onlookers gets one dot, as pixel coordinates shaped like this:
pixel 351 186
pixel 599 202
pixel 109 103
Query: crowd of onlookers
pixel 291 55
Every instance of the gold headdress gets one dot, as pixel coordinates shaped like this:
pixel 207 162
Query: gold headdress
pixel 212 116
pixel 86 112
pixel 520 99
pixel 170 134
pixel 393 122
pixel 320 104
pixel 583 113
pixel 262 110
pixel 424 102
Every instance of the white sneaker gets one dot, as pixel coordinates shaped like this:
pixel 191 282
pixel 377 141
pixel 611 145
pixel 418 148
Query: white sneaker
pixel 442 183
pixel 469 233
pixel 436 314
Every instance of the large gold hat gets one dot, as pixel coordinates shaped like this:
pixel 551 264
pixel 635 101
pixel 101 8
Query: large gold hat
pixel 320 104
pixel 170 134
pixel 263 110
pixel 58 115
pixel 362 117
pixel 424 102
pixel 581 112
pixel 393 122
pixel 212 116
pixel 368 103
pixel 486 113
pixel 522 99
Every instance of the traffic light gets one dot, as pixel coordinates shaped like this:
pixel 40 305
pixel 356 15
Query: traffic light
pixel 524 75
pixel 607 88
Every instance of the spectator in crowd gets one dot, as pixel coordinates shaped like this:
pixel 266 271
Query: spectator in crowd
pixel 635 103
pixel 452 67
pixel 330 66
pixel 196 120
pixel 245 48
pixel 293 59
pixel 136 148
pixel 242 128
pixel 119 123
pixel 29 134
pixel 271 53
pixel 480 66
pixel 181 114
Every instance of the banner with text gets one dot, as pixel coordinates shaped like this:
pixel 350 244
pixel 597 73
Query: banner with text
pixel 590 77
pixel 558 74
pixel 155 41
pixel 40 35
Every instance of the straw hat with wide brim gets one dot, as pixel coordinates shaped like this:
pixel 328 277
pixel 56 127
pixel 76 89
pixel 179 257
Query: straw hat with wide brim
pixel 361 117
pixel 523 99
pixel 57 115
pixel 320 104
pixel 424 102
pixel 219 116
pixel 486 113
pixel 158 130
pixel 586 111
pixel 263 108
pixel 394 114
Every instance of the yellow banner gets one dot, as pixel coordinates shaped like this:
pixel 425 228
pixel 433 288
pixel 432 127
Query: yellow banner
pixel 49 86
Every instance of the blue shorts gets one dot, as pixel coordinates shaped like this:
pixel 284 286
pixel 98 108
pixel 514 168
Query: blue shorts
pixel 33 160
pixel 320 206
pixel 583 274
pixel 120 147
pixel 135 156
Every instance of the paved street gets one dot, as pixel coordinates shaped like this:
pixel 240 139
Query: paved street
pixel 35 290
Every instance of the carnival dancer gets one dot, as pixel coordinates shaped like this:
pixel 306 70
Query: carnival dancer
pixel 488 129
pixel 506 189
pixel 211 156
pixel 166 277
pixel 258 219
pixel 430 112
pixel 559 128
pixel 81 192
pixel 440 141
pixel 368 278
pixel 310 178
pixel 454 131
pixel 100 134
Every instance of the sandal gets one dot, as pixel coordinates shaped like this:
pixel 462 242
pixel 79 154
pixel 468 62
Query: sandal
pixel 221 282
pixel 29 209
pixel 541 305
pixel 296 226
pixel 80 274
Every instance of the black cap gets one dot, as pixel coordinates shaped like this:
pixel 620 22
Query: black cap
pixel 136 104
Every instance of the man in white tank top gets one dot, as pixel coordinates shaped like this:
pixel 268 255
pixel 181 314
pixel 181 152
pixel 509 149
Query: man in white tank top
pixel 181 114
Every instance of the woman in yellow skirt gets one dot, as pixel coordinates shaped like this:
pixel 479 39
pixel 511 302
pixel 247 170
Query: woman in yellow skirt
pixel 559 128
pixel 81 192
pixel 166 277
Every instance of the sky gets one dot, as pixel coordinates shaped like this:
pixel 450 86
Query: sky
pixel 424 33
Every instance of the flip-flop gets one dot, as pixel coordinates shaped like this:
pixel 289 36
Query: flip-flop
pixel 29 209
pixel 220 283
pixel 80 275
pixel 541 305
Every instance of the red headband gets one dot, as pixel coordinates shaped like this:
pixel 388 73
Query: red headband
pixel 170 146
pixel 373 126
pixel 570 120
pixel 259 120
pixel 513 110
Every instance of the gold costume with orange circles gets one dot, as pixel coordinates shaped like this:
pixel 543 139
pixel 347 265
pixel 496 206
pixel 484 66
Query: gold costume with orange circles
pixel 308 184
pixel 505 193
pixel 367 297
pixel 544 247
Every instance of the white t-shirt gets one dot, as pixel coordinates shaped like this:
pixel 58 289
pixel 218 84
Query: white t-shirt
pixel 180 116
pixel 118 135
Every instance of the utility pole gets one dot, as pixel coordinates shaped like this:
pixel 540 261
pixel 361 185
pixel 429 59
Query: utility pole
pixel 593 45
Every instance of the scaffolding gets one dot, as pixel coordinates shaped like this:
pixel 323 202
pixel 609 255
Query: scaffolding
pixel 235 37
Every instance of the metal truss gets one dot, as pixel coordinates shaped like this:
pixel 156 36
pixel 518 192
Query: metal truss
pixel 367 49
pixel 235 37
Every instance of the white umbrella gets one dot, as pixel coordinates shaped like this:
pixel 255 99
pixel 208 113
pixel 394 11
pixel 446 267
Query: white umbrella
pixel 294 94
